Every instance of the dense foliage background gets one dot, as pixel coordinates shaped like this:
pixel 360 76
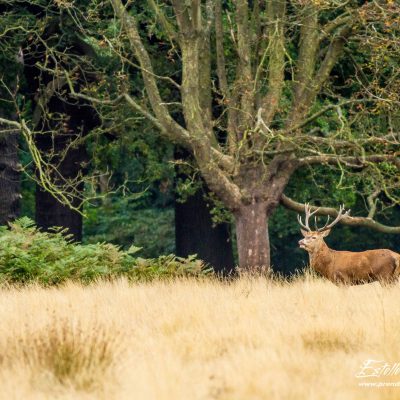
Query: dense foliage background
pixel 139 177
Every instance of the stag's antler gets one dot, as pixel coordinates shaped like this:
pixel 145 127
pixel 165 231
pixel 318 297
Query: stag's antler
pixel 307 209
pixel 341 214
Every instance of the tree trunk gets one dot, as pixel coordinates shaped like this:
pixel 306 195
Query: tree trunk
pixel 195 234
pixel 194 231
pixel 10 174
pixel 252 237
pixel 61 120
pixel 10 192
pixel 49 211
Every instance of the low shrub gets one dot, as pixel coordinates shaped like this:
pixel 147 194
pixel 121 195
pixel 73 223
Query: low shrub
pixel 27 254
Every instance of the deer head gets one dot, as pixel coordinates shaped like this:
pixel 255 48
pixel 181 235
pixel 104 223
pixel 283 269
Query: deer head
pixel 313 239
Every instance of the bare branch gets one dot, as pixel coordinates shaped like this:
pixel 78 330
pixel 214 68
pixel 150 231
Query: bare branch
pixel 182 17
pixel 204 75
pixel 308 88
pixel 226 162
pixel 244 72
pixel 372 201
pixel 44 178
pixel 276 50
pixel 351 161
pixel 160 110
pixel 219 182
pixel 331 26
pixel 130 62
pixel 10 123
pixel 168 27
pixel 324 110
pixel 347 220
pixel 196 14
pixel 45 96
pixel 306 63
pixel 332 142
pixel 332 55
pixel 219 40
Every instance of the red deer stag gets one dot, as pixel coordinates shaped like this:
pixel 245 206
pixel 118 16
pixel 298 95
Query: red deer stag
pixel 346 266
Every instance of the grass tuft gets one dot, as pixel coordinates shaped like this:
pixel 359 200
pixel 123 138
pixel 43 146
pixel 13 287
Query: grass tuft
pixel 330 340
pixel 71 354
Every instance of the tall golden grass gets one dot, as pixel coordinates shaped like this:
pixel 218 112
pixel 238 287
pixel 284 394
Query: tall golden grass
pixel 182 340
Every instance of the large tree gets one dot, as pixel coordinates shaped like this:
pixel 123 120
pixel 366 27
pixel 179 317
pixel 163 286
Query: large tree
pixel 272 62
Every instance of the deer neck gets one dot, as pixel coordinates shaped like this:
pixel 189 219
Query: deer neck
pixel 320 259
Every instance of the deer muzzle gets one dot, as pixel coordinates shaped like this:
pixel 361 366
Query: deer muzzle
pixel 302 244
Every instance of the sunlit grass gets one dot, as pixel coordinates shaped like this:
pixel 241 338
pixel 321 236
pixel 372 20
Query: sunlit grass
pixel 191 339
pixel 62 350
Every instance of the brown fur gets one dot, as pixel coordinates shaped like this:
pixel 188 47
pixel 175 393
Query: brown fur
pixel 348 267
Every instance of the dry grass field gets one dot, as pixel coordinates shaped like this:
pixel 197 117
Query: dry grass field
pixel 184 340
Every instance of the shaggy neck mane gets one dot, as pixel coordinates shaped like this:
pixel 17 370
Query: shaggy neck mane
pixel 320 259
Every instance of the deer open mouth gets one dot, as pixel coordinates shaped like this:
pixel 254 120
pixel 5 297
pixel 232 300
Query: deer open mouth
pixel 302 244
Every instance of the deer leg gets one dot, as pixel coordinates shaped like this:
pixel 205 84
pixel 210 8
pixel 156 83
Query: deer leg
pixel 389 281
pixel 339 279
pixel 397 268
pixel 392 277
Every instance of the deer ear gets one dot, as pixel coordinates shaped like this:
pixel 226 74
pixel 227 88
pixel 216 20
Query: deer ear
pixel 326 233
pixel 304 233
